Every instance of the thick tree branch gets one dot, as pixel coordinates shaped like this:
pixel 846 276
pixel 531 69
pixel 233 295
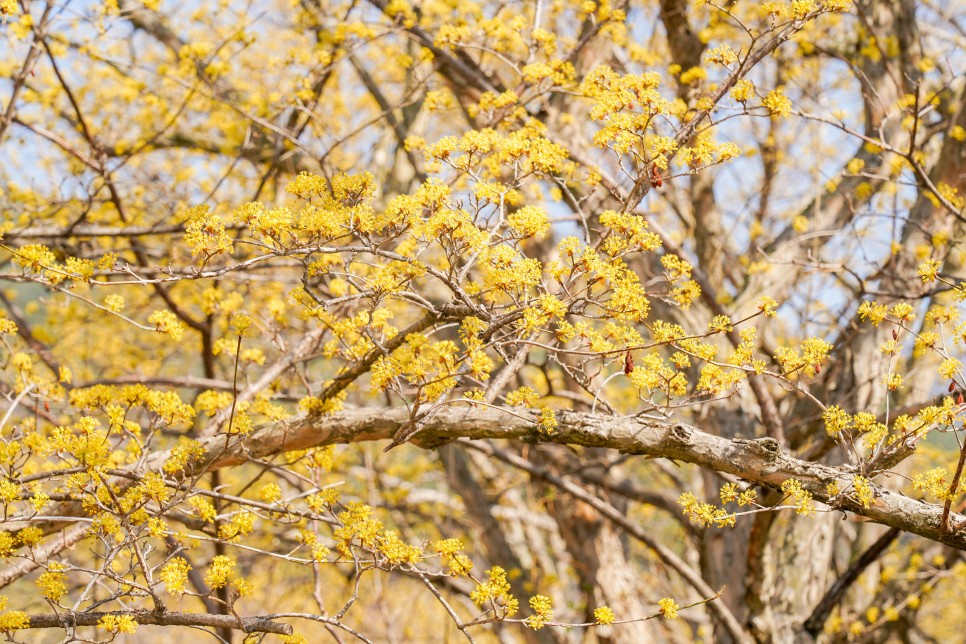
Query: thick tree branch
pixel 245 624
pixel 760 461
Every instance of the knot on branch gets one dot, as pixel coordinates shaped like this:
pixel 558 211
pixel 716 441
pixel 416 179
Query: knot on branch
pixel 768 447
pixel 681 435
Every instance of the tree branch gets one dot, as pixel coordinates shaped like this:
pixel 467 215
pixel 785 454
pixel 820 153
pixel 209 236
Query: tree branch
pixel 760 461
pixel 245 624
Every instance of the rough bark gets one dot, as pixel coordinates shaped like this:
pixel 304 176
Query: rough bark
pixel 759 461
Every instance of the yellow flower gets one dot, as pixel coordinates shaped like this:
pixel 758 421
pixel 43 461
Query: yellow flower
pixel 801 496
pixel 929 270
pixel 705 514
pixel 669 608
pixel 548 420
pixel 801 8
pixel 398 551
pixel 721 324
pixel 529 221
pixel 451 551
pixel 892 381
pixel 497 590
pixel 728 492
pixel 219 571
pixel 693 76
pixel 240 322
pixel 837 5
pixel 205 233
pixel 9 491
pixel 903 311
pixel 742 90
pixel 855 166
pixel 118 624
pixel 13 620
pixel 836 420
pixel 777 103
pixel 722 55
pixel 863 491
pixel 167 322
pixel 604 616
pixel 7 544
pixel 949 368
pixel 873 312
pixel 270 493
pixel 34 257
pixel 767 305
pixel 542 612
pixel 53 583
pixel 525 396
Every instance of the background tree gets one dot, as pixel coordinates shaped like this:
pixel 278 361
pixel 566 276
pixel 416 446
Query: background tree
pixel 435 320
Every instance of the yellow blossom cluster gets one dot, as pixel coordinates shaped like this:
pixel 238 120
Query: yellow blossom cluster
pixel 668 608
pixel 604 615
pixel 118 624
pixel 205 233
pixel 542 609
pixel 451 550
pixel 174 575
pixel 495 592
pixel 802 497
pixel 935 482
pixel 705 514
pixel 431 366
